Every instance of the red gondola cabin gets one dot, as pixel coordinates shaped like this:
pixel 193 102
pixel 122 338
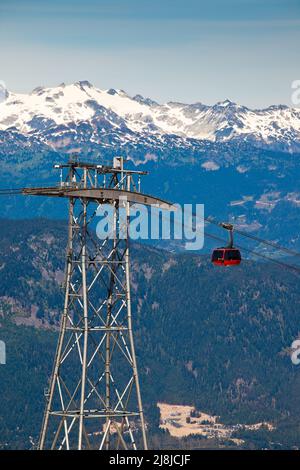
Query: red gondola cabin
pixel 226 256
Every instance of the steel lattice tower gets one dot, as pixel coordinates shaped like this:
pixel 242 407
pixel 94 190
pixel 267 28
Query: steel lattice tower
pixel 94 398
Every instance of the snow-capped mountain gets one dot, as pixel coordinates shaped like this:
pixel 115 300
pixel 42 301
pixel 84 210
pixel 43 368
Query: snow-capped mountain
pixel 243 164
pixel 68 115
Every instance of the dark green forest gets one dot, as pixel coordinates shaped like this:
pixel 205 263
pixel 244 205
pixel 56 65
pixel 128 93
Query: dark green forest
pixel 215 338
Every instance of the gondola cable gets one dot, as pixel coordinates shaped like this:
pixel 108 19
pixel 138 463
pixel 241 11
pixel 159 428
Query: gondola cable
pixel 259 255
pixel 211 220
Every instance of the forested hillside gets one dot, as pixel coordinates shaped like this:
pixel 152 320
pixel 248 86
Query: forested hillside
pixel 211 337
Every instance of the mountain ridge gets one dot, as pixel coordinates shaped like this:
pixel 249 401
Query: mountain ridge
pixel 238 177
pixel 56 114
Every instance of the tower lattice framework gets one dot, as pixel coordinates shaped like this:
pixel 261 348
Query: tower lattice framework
pixel 94 398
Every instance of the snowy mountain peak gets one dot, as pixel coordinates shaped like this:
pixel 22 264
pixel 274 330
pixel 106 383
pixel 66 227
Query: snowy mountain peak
pixel 44 111
pixel 225 103
pixel 84 84
pixel 38 90
pixel 112 92
pixel 146 101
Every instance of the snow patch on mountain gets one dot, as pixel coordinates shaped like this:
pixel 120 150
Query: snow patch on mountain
pixel 210 166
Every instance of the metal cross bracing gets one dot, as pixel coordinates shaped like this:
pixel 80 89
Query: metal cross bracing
pixel 94 398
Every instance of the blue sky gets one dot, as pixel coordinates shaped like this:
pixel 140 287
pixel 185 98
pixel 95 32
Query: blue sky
pixel 183 50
